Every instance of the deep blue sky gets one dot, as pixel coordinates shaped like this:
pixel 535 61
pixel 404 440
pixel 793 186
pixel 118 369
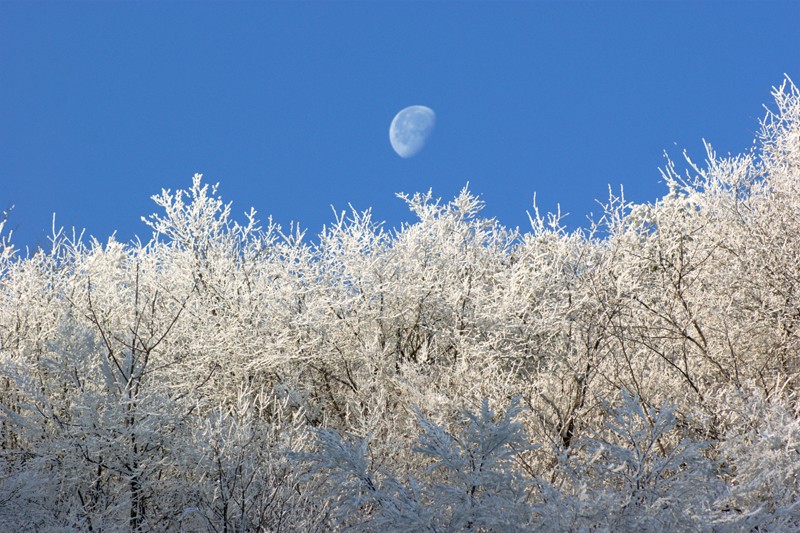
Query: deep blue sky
pixel 288 104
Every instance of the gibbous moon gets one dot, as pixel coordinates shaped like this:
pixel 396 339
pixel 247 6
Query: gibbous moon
pixel 411 129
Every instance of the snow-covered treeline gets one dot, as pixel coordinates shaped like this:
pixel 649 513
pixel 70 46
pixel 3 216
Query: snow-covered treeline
pixel 638 375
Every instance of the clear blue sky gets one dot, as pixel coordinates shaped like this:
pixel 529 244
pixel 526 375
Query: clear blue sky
pixel 288 104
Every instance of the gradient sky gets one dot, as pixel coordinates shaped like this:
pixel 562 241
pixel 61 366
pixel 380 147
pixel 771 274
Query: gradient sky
pixel 288 104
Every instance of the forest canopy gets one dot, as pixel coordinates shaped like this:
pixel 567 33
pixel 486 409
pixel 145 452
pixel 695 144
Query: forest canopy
pixel 640 374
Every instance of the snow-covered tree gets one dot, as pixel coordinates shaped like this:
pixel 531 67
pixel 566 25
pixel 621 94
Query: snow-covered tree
pixel 229 376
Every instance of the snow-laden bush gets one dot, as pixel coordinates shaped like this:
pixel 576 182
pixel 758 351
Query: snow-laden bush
pixel 637 474
pixel 761 454
pixel 470 481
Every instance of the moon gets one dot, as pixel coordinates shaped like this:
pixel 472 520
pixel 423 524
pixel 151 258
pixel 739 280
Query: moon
pixel 411 129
